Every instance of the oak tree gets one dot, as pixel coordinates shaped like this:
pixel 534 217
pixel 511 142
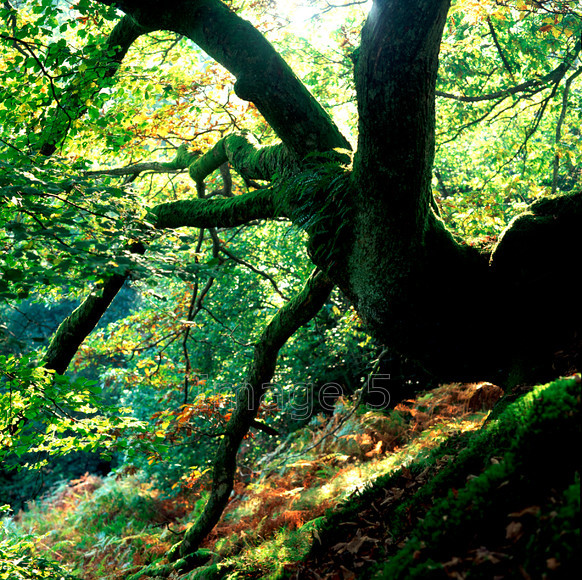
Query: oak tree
pixel 374 227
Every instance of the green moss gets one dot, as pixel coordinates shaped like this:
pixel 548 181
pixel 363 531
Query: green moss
pixel 532 435
pixel 519 469
pixel 557 532
pixel 206 213
pixel 255 162
pixel 183 158
pixel 318 200
pixel 212 572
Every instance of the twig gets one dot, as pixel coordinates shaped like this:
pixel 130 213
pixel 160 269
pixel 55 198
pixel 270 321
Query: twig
pixel 499 49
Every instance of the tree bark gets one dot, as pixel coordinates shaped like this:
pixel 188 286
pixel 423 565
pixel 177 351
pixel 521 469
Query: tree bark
pixel 403 269
pixel 248 158
pixel 421 291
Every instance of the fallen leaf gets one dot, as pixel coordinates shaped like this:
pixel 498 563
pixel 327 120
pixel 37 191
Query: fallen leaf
pixel 514 531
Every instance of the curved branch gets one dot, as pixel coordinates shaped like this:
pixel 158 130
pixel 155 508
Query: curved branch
pixel 245 155
pixel 533 86
pixel 248 158
pixel 263 77
pixel 297 312
pixel 499 49
pixel 73 104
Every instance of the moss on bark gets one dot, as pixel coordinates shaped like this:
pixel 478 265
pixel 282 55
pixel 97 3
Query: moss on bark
pixel 247 158
pixel 208 213
pixel 76 327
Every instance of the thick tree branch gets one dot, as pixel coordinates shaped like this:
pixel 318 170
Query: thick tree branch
pixel 208 213
pixel 73 103
pixel 263 77
pixel 396 146
pixel 248 159
pixel 75 328
pixel 281 327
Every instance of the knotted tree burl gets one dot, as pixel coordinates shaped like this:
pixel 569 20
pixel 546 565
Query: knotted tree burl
pixel 462 313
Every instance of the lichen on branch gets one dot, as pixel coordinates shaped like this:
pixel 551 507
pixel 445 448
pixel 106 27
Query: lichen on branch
pixel 68 337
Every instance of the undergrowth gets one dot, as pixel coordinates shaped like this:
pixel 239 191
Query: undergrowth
pixel 537 476
pixel 348 491
pixel 501 502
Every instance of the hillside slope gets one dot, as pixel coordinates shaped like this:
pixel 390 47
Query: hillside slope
pixel 435 489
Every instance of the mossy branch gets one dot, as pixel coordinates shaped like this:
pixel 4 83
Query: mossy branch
pixel 181 161
pixel 76 327
pixel 297 312
pixel 247 157
pixel 72 104
pixel 263 77
pixel 250 160
pixel 222 213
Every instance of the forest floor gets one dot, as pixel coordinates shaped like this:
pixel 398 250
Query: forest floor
pixel 439 487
